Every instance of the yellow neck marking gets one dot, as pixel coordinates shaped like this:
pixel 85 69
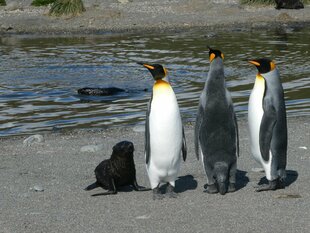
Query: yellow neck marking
pixel 161 85
pixel 260 81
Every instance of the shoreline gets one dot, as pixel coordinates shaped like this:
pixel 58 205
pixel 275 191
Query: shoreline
pixel 145 17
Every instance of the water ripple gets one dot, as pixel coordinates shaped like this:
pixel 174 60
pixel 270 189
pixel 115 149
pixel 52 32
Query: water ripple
pixel 39 77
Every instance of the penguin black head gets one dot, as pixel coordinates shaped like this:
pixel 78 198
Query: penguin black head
pixel 213 53
pixel 157 70
pixel 263 65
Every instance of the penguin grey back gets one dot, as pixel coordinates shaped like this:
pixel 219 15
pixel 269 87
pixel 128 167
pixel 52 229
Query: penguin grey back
pixel 216 130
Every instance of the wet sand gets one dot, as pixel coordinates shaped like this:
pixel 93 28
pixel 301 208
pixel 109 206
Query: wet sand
pixel 59 167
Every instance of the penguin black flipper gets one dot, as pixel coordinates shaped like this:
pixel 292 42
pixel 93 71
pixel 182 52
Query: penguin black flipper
pixel 147 133
pixel 199 119
pixel 184 146
pixel 237 134
pixel 266 128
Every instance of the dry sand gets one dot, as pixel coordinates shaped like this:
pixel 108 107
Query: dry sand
pixel 58 166
pixel 138 15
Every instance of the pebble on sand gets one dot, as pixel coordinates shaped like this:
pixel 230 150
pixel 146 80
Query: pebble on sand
pixel 37 138
pixel 38 188
pixel 92 148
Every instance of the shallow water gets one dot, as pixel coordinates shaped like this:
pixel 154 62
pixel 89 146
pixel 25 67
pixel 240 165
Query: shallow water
pixel 39 77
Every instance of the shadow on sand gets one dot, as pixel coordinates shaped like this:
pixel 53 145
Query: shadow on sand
pixel 184 183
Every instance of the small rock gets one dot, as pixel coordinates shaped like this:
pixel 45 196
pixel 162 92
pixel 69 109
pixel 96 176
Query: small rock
pixel 37 138
pixel 92 148
pixel 12 6
pixel 257 169
pixel 139 128
pixel 38 188
pixel 123 1
pixel 146 216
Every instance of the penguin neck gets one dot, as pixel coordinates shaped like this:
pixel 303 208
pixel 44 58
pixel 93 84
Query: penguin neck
pixel 161 84
pixel 216 78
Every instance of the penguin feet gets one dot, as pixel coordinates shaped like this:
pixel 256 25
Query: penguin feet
pixel 272 185
pixel 211 189
pixel 157 195
pixel 231 187
pixel 170 191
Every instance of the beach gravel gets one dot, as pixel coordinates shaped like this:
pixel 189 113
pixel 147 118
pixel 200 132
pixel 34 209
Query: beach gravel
pixel 64 171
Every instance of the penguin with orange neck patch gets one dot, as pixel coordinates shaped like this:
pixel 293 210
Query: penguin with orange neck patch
pixel 267 124
pixel 164 134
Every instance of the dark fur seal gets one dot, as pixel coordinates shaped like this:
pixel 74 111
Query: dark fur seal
pixel 100 91
pixel 289 4
pixel 117 171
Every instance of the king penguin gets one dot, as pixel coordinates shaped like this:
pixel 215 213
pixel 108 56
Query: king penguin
pixel 164 134
pixel 267 124
pixel 216 130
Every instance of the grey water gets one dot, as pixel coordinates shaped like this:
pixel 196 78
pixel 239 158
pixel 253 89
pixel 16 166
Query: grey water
pixel 39 76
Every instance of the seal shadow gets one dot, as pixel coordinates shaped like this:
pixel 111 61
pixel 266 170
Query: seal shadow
pixel 241 180
pixel 184 183
pixel 291 177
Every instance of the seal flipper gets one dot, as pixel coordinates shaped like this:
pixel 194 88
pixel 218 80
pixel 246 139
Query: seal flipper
pixel 113 190
pixel 136 187
pixel 91 186
pixel 266 129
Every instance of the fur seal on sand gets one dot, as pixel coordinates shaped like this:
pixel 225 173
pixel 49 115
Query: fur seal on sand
pixel 117 171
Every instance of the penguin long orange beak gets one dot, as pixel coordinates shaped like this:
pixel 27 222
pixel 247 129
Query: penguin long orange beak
pixel 255 63
pixel 149 66
pixel 146 65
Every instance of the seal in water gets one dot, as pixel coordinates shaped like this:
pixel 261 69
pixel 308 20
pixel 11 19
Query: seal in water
pixel 117 171
pixel 100 91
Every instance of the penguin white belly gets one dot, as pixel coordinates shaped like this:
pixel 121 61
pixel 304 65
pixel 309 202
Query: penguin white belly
pixel 165 127
pixel 255 115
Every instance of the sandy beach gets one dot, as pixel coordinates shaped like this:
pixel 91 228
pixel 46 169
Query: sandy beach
pixel 42 188
pixel 42 183
pixel 147 16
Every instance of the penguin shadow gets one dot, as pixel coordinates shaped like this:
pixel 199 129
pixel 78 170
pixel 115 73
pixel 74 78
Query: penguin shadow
pixel 183 183
pixel 241 180
pixel 291 177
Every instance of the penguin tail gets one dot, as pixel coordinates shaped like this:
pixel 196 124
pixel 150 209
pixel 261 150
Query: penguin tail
pixel 91 186
pixel 222 188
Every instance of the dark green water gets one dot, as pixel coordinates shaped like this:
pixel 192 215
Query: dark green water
pixel 39 76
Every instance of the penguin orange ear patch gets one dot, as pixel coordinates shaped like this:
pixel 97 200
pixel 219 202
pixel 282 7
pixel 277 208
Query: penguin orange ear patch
pixel 222 56
pixel 272 65
pixel 212 56
pixel 148 66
